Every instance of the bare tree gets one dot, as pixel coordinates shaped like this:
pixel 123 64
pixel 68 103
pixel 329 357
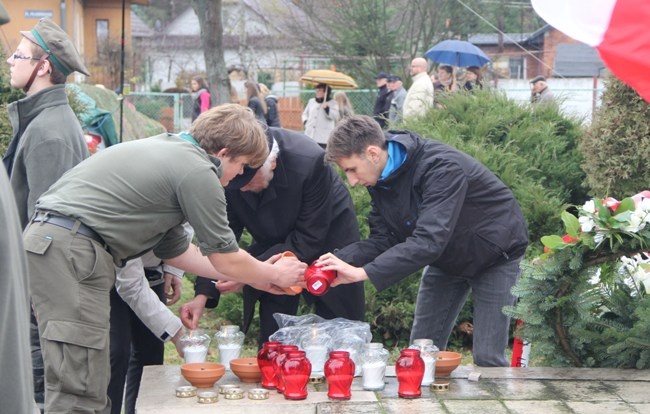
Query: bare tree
pixel 209 13
pixel 367 36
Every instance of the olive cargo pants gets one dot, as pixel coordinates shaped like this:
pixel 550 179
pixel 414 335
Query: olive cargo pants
pixel 71 276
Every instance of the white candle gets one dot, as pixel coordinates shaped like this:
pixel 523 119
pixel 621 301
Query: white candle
pixel 429 370
pixel 228 353
pixel 195 353
pixel 373 375
pixel 317 355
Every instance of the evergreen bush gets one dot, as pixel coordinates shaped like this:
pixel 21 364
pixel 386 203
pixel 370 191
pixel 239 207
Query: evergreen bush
pixel 617 146
pixel 533 150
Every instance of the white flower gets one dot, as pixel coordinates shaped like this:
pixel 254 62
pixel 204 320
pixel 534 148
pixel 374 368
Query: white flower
pixel 644 205
pixel 639 217
pixel 636 274
pixel 636 223
pixel 589 207
pixel 599 237
pixel 586 224
pixel 629 264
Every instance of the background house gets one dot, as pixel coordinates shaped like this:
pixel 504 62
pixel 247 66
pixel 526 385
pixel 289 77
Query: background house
pixel 546 51
pixel 95 27
pixel 255 42
pixel 573 69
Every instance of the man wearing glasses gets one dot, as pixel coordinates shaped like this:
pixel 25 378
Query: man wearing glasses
pixel 47 139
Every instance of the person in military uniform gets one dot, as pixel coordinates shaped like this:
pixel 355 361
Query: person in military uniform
pixel 16 390
pixel 39 154
pixel 115 206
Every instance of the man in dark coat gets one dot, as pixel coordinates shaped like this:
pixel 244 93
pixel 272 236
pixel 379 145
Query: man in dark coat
pixel 437 208
pixel 294 202
pixel 382 104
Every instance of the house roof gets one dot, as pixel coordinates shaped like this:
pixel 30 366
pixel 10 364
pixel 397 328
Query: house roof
pixel 139 28
pixel 486 39
pixel 270 14
pixel 490 39
pixel 575 60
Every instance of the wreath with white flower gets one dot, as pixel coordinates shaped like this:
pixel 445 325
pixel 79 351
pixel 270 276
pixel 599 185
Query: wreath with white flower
pixel 584 301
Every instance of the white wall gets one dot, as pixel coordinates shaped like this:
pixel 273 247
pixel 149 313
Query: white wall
pixel 166 65
pixel 575 95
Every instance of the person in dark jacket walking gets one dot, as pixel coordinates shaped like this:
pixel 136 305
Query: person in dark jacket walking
pixel 257 105
pixel 272 114
pixel 382 104
pixel 438 208
pixel 294 202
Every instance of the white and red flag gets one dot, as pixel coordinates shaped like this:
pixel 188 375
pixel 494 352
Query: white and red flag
pixel 618 29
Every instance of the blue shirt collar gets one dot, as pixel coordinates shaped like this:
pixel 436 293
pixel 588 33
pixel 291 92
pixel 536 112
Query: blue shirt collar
pixel 396 157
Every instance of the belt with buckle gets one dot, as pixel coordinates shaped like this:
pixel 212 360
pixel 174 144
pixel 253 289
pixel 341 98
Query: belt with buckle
pixel 68 223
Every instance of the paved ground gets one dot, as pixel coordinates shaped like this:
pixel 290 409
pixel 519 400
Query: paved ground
pixel 499 390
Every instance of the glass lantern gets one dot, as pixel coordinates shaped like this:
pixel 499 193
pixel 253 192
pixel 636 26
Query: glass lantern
pixel 429 354
pixel 195 345
pixel 229 340
pixel 374 360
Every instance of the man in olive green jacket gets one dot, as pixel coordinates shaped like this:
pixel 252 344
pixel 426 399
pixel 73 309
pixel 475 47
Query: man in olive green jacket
pixel 47 139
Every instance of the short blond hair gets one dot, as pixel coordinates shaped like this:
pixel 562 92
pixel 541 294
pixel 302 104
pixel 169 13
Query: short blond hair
pixel 233 127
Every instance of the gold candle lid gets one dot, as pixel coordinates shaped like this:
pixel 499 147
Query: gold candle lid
pixel 234 394
pixel 226 387
pixel 185 391
pixel 208 397
pixel 440 386
pixel 258 394
pixel 316 379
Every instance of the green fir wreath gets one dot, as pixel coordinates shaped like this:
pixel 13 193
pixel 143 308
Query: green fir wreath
pixel 584 302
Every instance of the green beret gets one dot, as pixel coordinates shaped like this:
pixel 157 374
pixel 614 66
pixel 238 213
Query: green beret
pixel 58 46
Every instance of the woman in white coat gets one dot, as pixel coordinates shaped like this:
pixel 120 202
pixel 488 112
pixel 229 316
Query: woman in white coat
pixel 320 115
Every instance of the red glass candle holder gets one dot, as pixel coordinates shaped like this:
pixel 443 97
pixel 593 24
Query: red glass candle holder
pixel 318 281
pixel 296 370
pixel 339 372
pixel 409 368
pixel 265 360
pixel 277 364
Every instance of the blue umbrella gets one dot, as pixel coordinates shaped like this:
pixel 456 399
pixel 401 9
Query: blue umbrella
pixel 457 53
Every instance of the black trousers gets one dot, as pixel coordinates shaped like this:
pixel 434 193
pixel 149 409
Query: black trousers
pixel 133 346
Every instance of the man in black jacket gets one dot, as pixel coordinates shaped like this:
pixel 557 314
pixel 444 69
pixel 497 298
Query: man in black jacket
pixel 437 207
pixel 294 202
pixel 382 104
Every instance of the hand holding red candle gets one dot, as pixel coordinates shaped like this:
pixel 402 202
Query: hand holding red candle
pixel 345 273
pixel 318 280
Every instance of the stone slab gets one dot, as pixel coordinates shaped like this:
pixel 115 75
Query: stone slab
pixel 583 391
pixel 475 407
pixel 499 390
pixel 585 374
pixel 537 407
pixel 631 391
pixel 522 389
pixel 641 408
pixel 419 406
pixel 159 396
pixel 601 407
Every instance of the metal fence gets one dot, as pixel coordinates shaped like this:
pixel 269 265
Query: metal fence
pixel 174 110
